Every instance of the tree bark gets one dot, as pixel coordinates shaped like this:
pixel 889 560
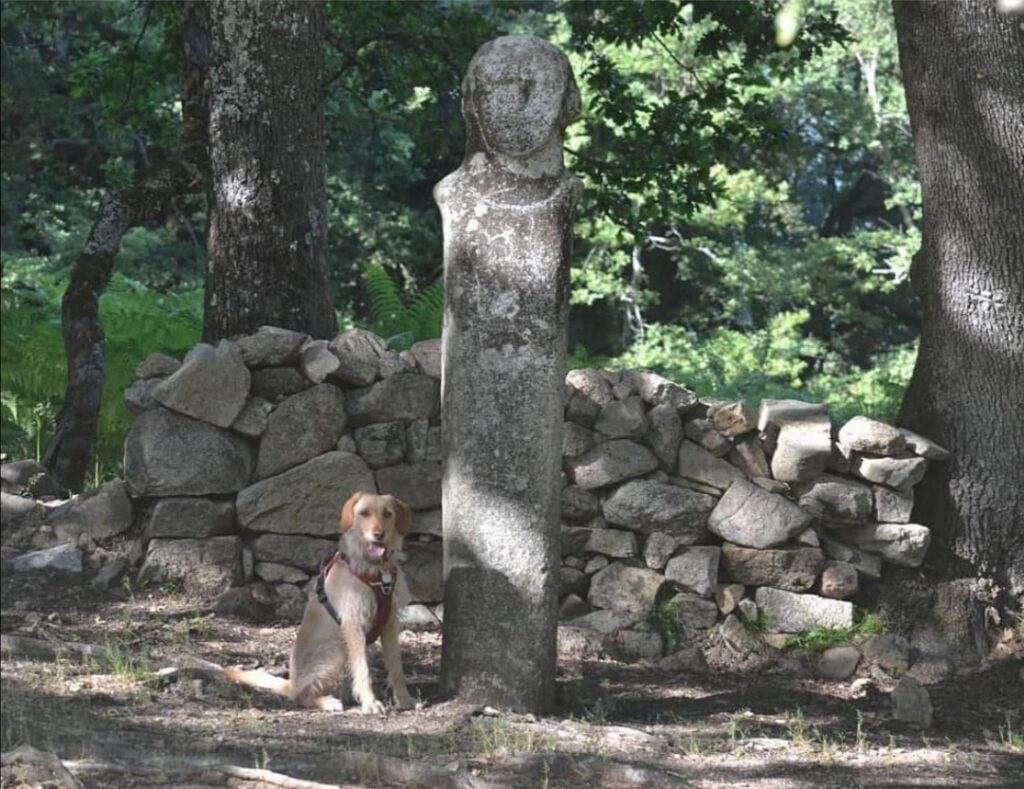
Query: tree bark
pixel 70 450
pixel 963 72
pixel 266 234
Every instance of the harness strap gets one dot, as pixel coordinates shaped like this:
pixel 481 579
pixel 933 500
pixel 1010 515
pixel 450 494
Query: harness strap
pixel 382 589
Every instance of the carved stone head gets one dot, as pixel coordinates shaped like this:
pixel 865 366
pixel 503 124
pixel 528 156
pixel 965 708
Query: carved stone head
pixel 518 96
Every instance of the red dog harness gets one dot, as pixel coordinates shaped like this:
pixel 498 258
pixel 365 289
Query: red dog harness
pixel 382 586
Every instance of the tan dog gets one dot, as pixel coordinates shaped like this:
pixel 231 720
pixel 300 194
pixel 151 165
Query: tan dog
pixel 362 589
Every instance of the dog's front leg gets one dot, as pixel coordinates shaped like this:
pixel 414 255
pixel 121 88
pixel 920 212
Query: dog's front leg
pixel 362 688
pixel 393 662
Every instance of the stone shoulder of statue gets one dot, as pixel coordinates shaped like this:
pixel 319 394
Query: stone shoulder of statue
pixel 518 96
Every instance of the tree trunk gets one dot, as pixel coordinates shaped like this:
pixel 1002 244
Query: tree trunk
pixel 70 450
pixel 266 234
pixel 963 72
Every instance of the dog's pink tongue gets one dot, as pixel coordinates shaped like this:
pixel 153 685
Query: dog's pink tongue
pixel 376 550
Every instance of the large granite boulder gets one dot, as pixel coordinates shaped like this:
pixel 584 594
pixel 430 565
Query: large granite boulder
pixel 655 390
pixel 271 347
pixel 381 444
pixel 622 419
pixel 417 484
pixel 899 473
pixel 792 569
pixel 206 567
pixel 359 352
pixel 611 462
pixel 211 385
pixel 695 569
pixel 399 398
pixel 750 516
pixel 647 505
pixel 802 449
pixel 167 454
pixel 625 587
pixel 863 434
pixel 293 550
pixel 181 517
pixel 306 499
pixel 697 464
pixel 300 428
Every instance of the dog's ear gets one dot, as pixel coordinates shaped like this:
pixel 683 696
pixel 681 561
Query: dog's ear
pixel 403 516
pixel 347 512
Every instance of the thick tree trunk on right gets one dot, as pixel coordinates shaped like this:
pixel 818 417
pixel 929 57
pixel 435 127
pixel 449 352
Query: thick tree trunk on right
pixel 963 72
pixel 266 234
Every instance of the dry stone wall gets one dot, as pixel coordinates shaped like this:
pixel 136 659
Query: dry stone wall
pixel 723 514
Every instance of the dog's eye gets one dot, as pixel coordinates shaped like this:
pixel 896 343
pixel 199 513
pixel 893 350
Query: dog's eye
pixel 362 513
pixel 388 513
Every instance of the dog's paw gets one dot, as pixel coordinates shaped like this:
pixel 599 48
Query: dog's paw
pixel 403 701
pixel 373 707
pixel 331 704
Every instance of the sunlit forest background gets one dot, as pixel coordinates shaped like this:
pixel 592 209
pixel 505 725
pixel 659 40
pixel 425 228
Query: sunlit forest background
pixel 747 225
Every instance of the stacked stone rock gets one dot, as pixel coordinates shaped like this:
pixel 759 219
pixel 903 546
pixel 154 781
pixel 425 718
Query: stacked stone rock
pixel 243 454
pixel 719 510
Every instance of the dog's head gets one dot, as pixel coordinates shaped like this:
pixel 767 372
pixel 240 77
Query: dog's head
pixel 372 525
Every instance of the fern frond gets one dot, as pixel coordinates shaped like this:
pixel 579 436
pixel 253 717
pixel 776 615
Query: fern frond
pixel 388 313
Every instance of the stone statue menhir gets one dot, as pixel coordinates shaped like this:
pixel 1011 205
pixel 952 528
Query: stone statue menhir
pixel 507 214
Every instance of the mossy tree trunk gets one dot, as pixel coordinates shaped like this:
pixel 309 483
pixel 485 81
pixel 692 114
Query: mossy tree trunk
pixel 963 72
pixel 70 450
pixel 266 233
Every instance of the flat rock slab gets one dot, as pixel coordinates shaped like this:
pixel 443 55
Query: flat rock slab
pixel 750 516
pixel 167 454
pixel 789 612
pixel 863 434
pixel 276 383
pixel 300 428
pixel 179 517
pixel 899 473
pixel 691 612
pixel 306 499
pixel 624 587
pixel 399 398
pixel 703 433
pixel 647 505
pixel 655 390
pixel 65 558
pixel 101 513
pixel 924 447
pixel 866 564
pixel 427 354
pixel 211 385
pixel 792 569
pixel 904 544
pixel 698 464
pixel 271 346
pixel 776 413
pixel 837 499
pixel 611 462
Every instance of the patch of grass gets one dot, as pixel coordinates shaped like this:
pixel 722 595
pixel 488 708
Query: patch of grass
pixel 819 639
pixel 125 662
pixel 660 618
pixel 757 626
pixel 1011 738
pixel 497 737
pixel 796 728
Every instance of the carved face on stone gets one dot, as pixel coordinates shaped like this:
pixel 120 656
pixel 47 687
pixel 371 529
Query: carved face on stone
pixel 519 94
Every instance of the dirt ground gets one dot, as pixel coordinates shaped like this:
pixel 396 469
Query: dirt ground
pixel 117 721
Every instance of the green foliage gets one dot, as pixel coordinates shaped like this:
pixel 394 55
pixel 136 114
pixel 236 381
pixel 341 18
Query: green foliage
pixel 402 320
pixel 137 321
pixel 819 639
pixel 664 624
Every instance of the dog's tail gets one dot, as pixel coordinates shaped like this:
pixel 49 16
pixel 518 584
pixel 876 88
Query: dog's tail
pixel 258 678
